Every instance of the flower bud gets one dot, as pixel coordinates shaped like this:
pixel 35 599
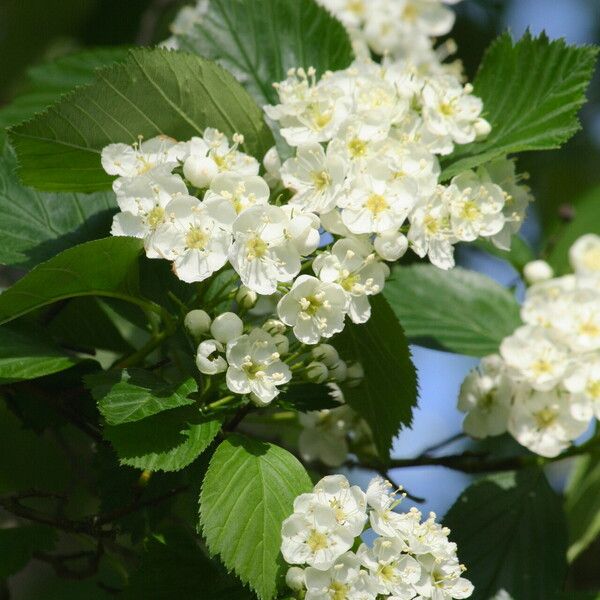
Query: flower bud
pixel 274 326
pixel 482 128
pixel 339 371
pixel 282 343
pixel 326 354
pixel 391 245
pixel 227 327
pixel 246 297
pixel 272 164
pixel 208 360
pixel 294 579
pixel 537 271
pixel 317 372
pixel 200 170
pixel 355 374
pixel 197 322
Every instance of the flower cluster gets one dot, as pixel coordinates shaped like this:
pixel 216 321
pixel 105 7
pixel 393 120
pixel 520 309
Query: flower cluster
pixel 544 387
pixel 410 557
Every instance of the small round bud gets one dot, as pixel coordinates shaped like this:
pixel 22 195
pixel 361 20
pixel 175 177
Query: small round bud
pixel 208 360
pixel 281 343
pixel 200 170
pixel 227 327
pixel 246 297
pixel 326 354
pixel 274 326
pixel 197 322
pixel 272 162
pixel 355 374
pixel 317 372
pixel 537 271
pixel 482 128
pixel 391 245
pixel 339 371
pixel 294 579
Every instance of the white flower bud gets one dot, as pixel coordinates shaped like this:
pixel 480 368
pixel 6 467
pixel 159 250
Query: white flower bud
pixel 339 371
pixel 282 343
pixel 272 162
pixel 208 360
pixel 246 297
pixel 227 327
pixel 294 579
pixel 274 326
pixel 537 271
pixel 200 170
pixel 355 374
pixel 317 372
pixel 482 128
pixel 326 354
pixel 391 245
pixel 197 322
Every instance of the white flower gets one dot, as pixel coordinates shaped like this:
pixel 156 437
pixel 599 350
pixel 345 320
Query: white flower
pixel 537 271
pixel 208 359
pixel 317 178
pixel 314 309
pixel 196 237
pixel 441 579
pixel 475 207
pixel 544 421
pixel 584 255
pixel 302 229
pixel 395 573
pixel 262 252
pixel 384 520
pixel 240 191
pixel 316 540
pixel 585 381
pixel 533 355
pixel 255 367
pixel 352 265
pixel 485 396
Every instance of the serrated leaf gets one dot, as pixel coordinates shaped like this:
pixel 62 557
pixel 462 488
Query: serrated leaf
pixel 461 310
pixel 26 356
pixel 106 267
pixel 134 394
pixel 248 491
pixel 586 220
pixel 259 40
pixel 35 226
pixel 511 534
pixel 152 92
pixel 49 80
pixel 388 392
pixel 167 441
pixel 18 544
pixel 582 504
pixel 531 92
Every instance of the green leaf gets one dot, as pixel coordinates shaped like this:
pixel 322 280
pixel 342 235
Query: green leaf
pixel 531 92
pixel 153 92
pixel 388 392
pixel 50 80
pixel 106 267
pixel 587 220
pixel 167 441
pixel 27 356
pixel 511 534
pixel 305 397
pixel 134 394
pixel 461 310
pixel 259 40
pixel 174 566
pixel 35 226
pixel 248 491
pixel 17 546
pixel 582 504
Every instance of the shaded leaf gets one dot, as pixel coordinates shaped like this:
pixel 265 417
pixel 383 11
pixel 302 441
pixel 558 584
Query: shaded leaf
pixel 17 546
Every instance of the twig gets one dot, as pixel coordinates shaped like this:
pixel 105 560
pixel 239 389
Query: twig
pixel 443 443
pixel 238 417
pixel 60 562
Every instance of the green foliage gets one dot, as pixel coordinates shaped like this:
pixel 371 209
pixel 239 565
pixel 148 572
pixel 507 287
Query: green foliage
pixel 167 441
pixel 248 491
pixel 106 267
pixel 153 92
pixel 587 220
pixel 388 392
pixel 17 546
pixel 260 40
pixel 511 533
pixel 460 310
pixel 27 356
pixel 134 394
pixel 531 90
pixel 35 226
pixel 305 397
pixel 582 504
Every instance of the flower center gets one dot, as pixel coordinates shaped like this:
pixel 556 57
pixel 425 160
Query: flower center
pixel 376 203
pixel 317 541
pixel 486 403
pixel 349 282
pixel 591 259
pixel 340 514
pixel 593 389
pixel 387 573
pixel 356 6
pixel 357 148
pixel 156 217
pixel 545 417
pixel 196 239
pixel 320 118
pixel 338 591
pixel 311 304
pixel 321 180
pixel 410 12
pixel 470 211
pixel 589 328
pixel 541 367
pixel 432 225
pixel 257 248
pixel 252 369
pixel 446 109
